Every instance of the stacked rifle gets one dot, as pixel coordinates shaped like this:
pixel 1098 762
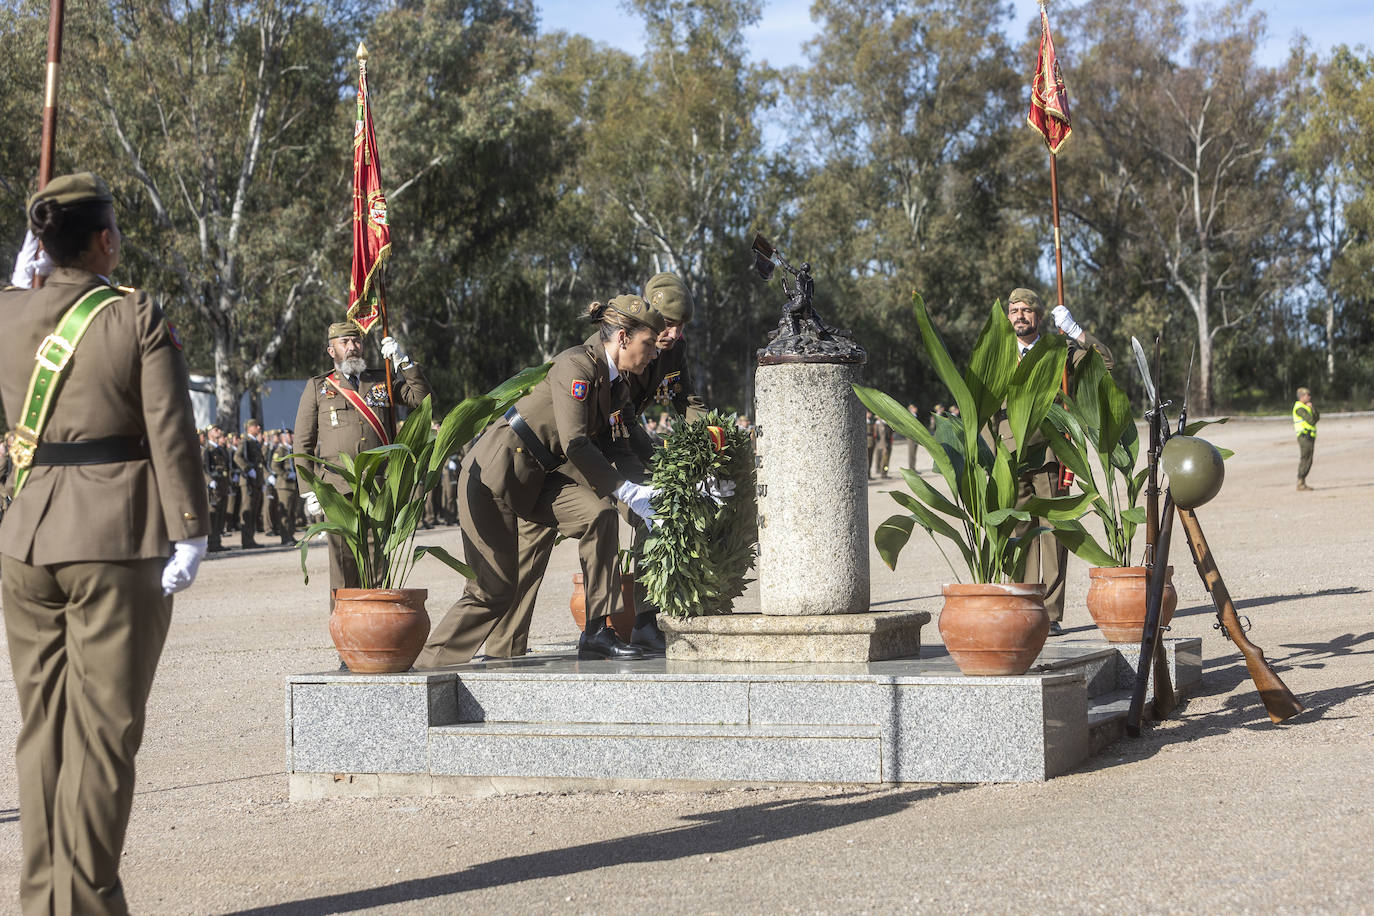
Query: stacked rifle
pixel 1278 700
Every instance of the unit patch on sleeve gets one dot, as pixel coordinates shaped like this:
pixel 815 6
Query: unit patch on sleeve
pixel 579 390
pixel 172 333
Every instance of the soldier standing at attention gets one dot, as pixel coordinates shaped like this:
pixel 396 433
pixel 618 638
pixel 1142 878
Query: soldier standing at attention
pixel 105 436
pixel 288 493
pixel 218 467
pixel 1046 557
pixel 252 464
pixel 910 442
pixel 548 462
pixel 345 412
pixel 1305 417
pixel 882 446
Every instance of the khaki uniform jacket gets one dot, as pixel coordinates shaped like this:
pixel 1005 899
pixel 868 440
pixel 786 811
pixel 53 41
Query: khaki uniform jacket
pixel 327 425
pixel 665 382
pixel 127 379
pixel 1077 353
pixel 218 465
pixel 250 457
pixel 572 414
pixel 284 468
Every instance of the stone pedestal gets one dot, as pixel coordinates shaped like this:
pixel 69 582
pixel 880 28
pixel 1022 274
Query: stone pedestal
pixel 812 475
pixel 790 638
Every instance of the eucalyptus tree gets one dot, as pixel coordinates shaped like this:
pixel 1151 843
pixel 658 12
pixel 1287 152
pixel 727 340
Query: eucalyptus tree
pixel 912 132
pixel 1329 159
pixel 222 127
pixel 1187 206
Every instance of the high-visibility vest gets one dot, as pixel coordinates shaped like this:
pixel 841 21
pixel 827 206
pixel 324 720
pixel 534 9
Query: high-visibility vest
pixel 1300 425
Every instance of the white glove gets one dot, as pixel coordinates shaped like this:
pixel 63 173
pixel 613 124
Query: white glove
pixel 1063 320
pixel 392 350
pixel 181 567
pixel 717 489
pixel 312 504
pixel 638 497
pixel 271 480
pixel 213 485
pixel 30 263
pixel 252 474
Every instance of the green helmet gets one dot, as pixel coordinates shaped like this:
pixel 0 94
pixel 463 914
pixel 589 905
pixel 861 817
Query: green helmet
pixel 1195 470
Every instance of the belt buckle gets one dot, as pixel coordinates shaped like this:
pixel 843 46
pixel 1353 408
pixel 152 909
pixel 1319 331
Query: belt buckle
pixel 63 346
pixel 25 444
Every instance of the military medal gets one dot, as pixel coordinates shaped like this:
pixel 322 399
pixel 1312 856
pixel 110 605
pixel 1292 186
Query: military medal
pixel 617 427
pixel 333 416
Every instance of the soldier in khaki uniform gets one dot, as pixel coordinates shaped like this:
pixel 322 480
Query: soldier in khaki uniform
pixel 346 411
pixel 665 382
pixel 252 465
pixel 1047 559
pixel 547 462
pixel 218 468
pixel 288 492
pixel 109 522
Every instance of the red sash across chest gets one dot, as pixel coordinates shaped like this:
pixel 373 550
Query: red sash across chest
pixel 361 406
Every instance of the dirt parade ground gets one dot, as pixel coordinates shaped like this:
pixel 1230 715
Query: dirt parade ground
pixel 1213 810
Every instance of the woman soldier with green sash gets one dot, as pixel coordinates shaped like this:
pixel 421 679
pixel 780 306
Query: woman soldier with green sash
pixel 547 462
pixel 109 519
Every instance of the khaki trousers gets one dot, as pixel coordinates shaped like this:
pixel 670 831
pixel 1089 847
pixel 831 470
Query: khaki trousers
pixel 84 643
pixel 252 505
pixel 1306 446
pixel 1046 559
pixel 289 501
pixel 491 544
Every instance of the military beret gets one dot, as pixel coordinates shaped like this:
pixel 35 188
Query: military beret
pixel 636 308
pixel 1028 296
pixel 72 189
pixel 344 329
pixel 668 294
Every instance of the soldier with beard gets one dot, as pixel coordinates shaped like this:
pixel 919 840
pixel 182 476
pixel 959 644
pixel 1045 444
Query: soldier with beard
pixel 346 411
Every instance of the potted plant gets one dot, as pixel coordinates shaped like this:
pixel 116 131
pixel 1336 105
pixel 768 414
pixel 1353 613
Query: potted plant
pixel 1099 419
pixel 996 623
pixel 382 626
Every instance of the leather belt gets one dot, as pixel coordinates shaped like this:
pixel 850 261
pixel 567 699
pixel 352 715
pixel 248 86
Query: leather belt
pixel 110 450
pixel 538 449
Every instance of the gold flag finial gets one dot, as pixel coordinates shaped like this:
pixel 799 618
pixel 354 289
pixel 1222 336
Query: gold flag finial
pixel 362 53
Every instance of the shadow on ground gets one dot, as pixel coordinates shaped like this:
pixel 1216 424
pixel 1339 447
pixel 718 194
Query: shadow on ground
pixel 712 833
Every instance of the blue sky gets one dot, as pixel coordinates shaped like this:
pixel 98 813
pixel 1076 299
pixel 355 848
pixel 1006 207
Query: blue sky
pixel 787 25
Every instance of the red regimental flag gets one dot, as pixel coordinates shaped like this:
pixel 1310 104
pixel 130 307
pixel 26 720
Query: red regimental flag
pixel 1049 109
pixel 371 235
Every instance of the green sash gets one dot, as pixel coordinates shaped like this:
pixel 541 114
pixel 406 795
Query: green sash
pixel 50 363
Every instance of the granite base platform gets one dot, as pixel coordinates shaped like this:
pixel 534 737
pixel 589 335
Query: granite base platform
pixel 548 722
pixel 866 637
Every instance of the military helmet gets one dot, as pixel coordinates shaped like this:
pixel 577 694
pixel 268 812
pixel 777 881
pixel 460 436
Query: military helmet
pixel 667 293
pixel 1195 470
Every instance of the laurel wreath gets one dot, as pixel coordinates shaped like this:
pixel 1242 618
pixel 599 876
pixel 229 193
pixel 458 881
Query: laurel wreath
pixel 697 557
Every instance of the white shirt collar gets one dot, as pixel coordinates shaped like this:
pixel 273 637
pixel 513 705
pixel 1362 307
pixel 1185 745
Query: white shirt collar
pixel 610 364
pixel 1022 347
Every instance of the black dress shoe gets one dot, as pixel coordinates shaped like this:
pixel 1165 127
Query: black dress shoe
pixel 649 637
pixel 605 644
pixel 1056 629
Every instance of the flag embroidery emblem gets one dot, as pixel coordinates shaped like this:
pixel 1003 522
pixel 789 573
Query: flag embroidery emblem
pixel 579 390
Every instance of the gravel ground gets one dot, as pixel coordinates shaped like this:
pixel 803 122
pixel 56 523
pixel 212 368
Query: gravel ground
pixel 1215 809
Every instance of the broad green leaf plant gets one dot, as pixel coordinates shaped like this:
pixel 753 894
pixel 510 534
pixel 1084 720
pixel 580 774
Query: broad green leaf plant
pixel 980 470
pixel 1099 419
pixel 388 485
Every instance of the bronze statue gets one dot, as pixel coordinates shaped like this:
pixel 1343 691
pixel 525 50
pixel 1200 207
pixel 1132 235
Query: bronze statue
pixel 802 336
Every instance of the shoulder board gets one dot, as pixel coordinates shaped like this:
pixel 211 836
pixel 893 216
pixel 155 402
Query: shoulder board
pixel 126 290
pixel 10 289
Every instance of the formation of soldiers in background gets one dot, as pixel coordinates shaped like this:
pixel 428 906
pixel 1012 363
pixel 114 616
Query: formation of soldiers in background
pixel 880 438
pixel 251 480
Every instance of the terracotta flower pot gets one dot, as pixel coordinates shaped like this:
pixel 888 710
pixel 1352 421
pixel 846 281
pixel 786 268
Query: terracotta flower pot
pixel 623 622
pixel 1116 599
pixel 994 629
pixel 379 630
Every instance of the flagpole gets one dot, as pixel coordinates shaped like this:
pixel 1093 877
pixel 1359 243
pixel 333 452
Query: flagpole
pixel 381 287
pixel 48 143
